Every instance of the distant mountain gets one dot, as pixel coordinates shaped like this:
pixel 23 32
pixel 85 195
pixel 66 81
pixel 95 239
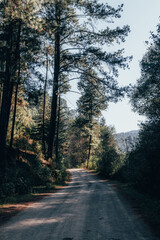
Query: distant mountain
pixel 126 141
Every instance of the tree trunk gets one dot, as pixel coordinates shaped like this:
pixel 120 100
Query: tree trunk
pixel 89 149
pixel 6 103
pixel 90 137
pixel 1 91
pixel 15 109
pixel 57 136
pixel 55 86
pixel 17 62
pixel 44 106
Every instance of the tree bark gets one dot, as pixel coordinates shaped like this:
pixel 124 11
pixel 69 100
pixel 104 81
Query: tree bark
pixel 1 91
pixel 90 137
pixel 44 106
pixel 17 62
pixel 57 136
pixel 89 149
pixel 6 102
pixel 55 84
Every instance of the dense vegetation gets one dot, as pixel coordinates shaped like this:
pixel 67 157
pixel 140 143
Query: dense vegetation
pixel 142 166
pixel 45 45
pixel 139 164
pixel 146 100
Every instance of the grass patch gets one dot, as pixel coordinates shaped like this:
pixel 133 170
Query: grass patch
pixel 146 206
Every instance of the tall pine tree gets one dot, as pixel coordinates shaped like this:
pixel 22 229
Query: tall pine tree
pixel 70 27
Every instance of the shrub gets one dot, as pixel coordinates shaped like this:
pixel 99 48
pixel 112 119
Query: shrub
pixel 110 162
pixel 44 173
pixel 60 175
pixel 8 189
pixel 22 186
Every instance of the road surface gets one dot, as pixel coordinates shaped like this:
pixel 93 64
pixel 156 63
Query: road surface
pixel 86 209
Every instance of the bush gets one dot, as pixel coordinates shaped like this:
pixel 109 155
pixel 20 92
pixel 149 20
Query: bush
pixel 44 173
pixel 39 173
pixel 110 162
pixel 93 163
pixel 60 176
pixel 22 186
pixel 8 189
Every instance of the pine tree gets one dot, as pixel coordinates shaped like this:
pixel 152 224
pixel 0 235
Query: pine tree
pixel 76 48
pixel 90 104
pixel 146 93
pixel 40 131
pixel 145 99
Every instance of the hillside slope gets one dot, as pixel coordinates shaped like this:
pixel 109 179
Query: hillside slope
pixel 126 141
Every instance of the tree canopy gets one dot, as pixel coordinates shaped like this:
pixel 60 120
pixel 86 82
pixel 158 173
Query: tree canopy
pixel 146 95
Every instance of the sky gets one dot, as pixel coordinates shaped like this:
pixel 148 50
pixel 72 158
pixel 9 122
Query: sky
pixel 142 16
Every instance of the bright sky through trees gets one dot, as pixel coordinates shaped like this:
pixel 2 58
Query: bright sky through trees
pixel 142 16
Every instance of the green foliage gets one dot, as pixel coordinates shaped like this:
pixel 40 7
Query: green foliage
pixel 37 34
pixel 60 176
pixel 104 156
pixel 143 165
pixel 92 164
pixel 146 94
pixel 37 129
pixel 28 171
pixel 78 47
pixel 8 189
pixel 28 144
pixel 77 147
pixel 143 162
pixel 62 134
pixel 24 120
pixel 93 99
pixel 40 173
pixel 109 160
pixel 22 185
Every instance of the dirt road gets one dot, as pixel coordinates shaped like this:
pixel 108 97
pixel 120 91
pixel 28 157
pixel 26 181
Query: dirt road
pixel 87 209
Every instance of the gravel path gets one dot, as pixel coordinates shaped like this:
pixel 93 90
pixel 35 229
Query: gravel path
pixel 87 209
